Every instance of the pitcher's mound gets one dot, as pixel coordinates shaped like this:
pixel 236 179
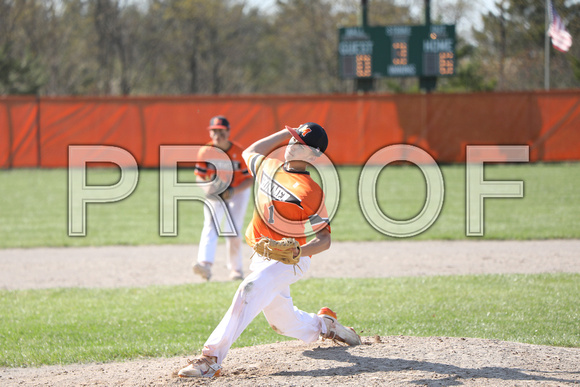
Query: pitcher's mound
pixel 380 361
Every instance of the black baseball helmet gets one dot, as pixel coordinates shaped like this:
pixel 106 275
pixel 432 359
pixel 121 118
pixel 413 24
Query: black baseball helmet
pixel 311 134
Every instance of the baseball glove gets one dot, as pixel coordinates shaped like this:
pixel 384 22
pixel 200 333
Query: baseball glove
pixel 282 250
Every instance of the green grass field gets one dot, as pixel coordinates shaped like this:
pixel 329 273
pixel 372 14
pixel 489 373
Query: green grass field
pixel 84 325
pixel 58 326
pixel 33 209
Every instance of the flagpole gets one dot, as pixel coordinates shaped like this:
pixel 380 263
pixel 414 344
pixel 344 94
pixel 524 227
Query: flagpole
pixel 547 49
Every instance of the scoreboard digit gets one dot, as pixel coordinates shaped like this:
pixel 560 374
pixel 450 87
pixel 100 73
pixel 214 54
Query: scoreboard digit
pixel 400 53
pixel 446 63
pixel 363 66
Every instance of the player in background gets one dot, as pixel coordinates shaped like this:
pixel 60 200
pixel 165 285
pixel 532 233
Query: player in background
pixel 287 187
pixel 236 198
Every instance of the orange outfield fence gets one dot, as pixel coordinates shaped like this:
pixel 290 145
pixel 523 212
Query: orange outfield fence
pixel 36 132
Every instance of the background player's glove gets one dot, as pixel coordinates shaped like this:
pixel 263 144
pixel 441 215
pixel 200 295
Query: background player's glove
pixel 282 250
pixel 218 185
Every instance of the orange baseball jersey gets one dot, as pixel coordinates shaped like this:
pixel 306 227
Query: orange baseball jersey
pixel 206 170
pixel 286 202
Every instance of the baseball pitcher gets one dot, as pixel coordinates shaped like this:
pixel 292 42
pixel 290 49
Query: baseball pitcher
pixel 287 199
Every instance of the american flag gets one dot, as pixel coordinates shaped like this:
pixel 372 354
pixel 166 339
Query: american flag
pixel 561 39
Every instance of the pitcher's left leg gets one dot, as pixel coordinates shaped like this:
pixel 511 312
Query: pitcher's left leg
pixel 288 320
pixel 254 294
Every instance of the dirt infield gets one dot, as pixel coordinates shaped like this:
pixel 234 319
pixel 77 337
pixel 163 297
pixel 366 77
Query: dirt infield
pixel 393 360
pixel 171 265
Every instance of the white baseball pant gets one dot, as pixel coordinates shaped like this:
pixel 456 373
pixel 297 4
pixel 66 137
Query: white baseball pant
pixel 266 289
pixel 237 206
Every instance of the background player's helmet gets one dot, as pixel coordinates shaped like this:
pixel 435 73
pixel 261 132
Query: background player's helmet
pixel 311 134
pixel 219 122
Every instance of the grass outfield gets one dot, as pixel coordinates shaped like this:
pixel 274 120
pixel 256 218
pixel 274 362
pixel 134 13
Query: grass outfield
pixel 33 209
pixel 59 326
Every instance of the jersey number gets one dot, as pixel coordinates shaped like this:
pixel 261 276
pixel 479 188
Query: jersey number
pixel 271 216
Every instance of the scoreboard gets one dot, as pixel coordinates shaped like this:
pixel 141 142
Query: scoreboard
pixel 396 51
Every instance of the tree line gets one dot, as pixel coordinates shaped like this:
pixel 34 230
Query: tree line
pixel 184 47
